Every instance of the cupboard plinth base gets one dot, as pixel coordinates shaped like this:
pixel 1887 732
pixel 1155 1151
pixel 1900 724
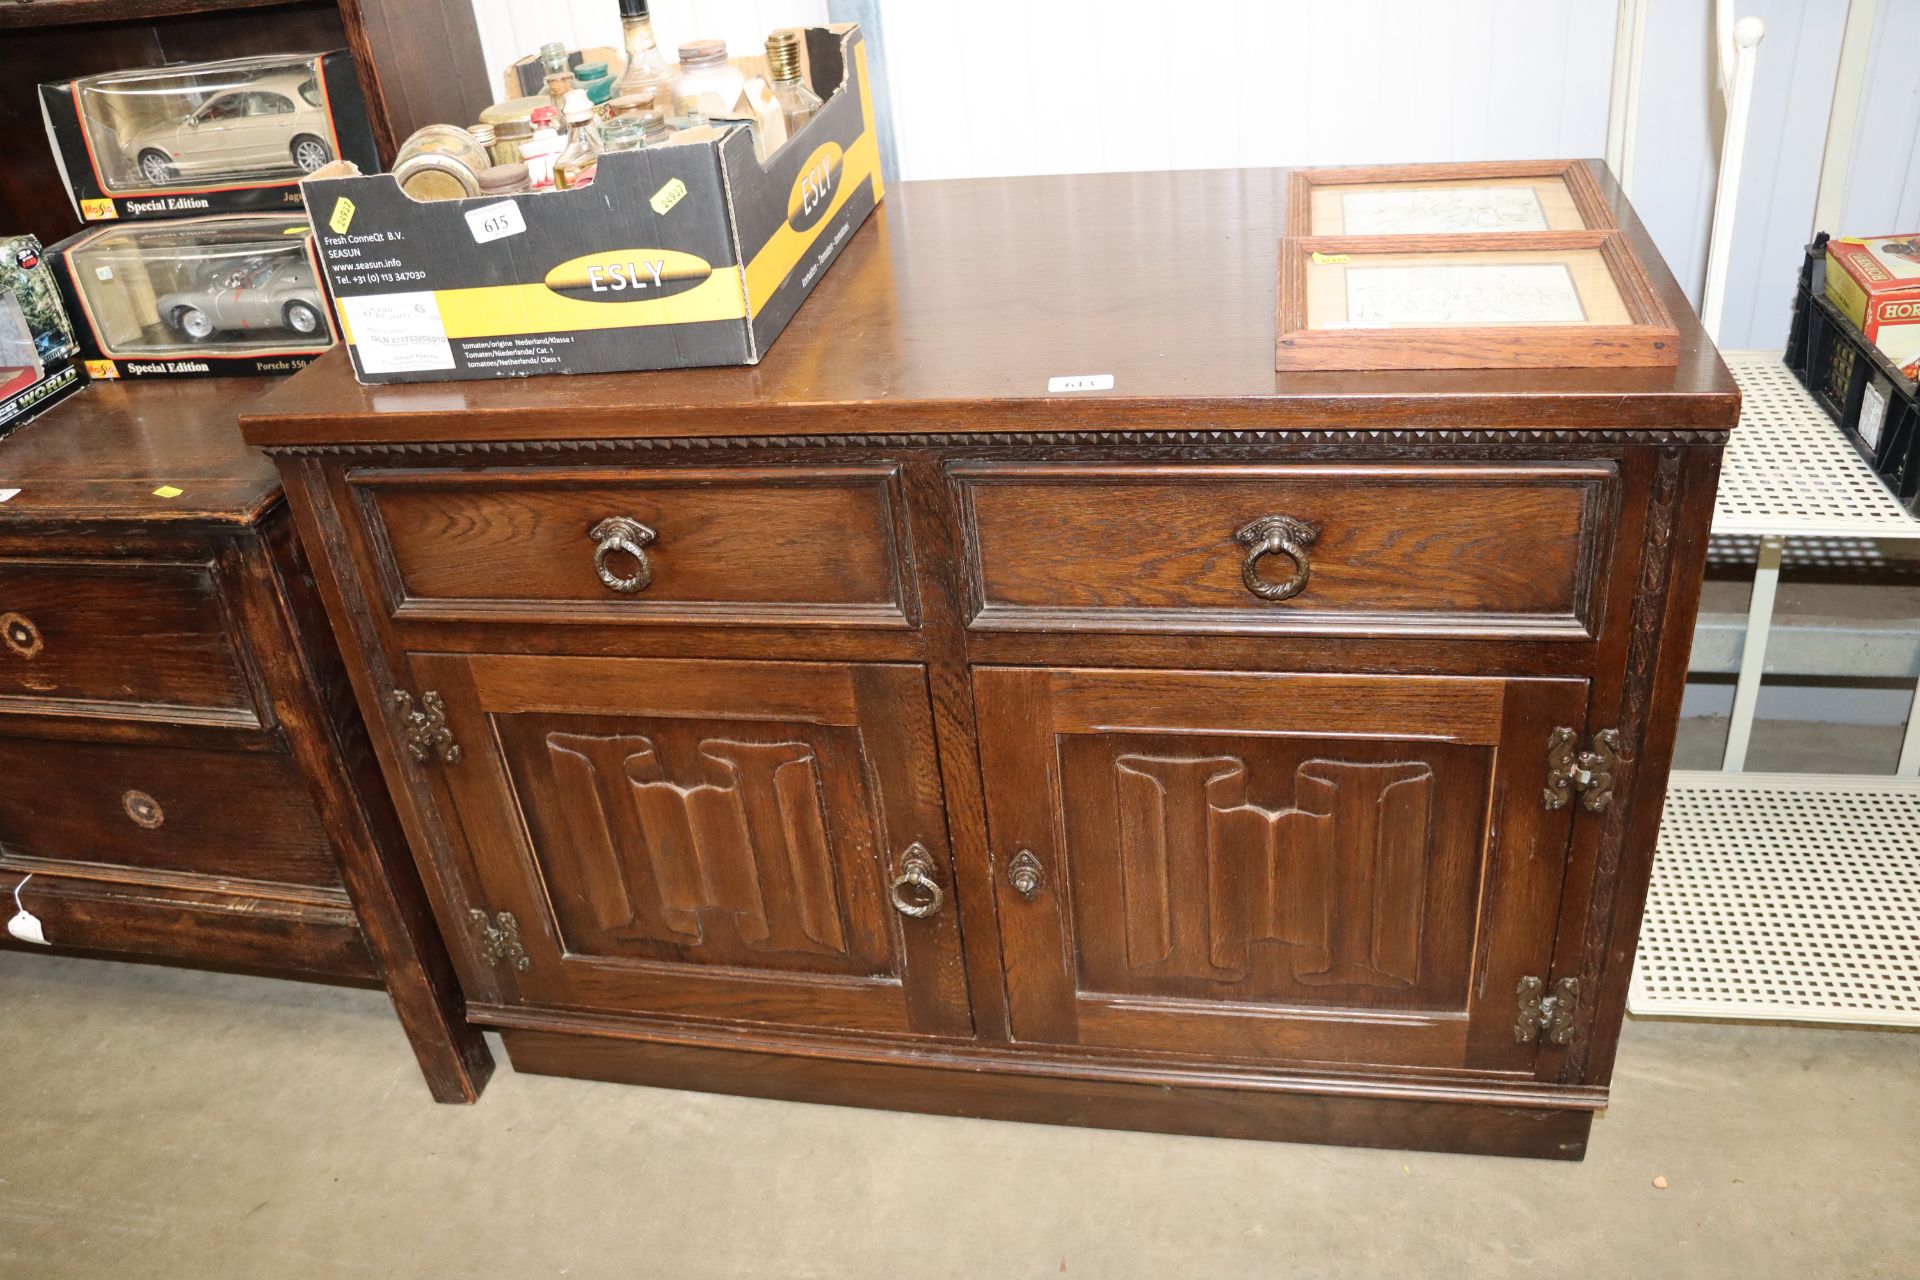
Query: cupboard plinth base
pixel 1549 1133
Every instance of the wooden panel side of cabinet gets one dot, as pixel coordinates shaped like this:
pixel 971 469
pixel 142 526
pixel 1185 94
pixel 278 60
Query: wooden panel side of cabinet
pixel 333 745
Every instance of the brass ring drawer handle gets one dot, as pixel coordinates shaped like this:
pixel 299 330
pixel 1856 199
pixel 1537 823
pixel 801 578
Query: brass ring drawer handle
pixel 916 870
pixel 1276 535
pixel 624 534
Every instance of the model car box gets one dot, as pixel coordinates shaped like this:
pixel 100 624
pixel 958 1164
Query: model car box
pixel 36 341
pixel 1875 282
pixel 238 294
pixel 204 137
pixel 677 255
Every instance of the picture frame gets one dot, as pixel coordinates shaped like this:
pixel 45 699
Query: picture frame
pixel 1494 265
pixel 1493 301
pixel 1562 194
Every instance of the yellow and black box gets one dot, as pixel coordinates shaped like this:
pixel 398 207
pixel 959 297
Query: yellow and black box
pixel 676 256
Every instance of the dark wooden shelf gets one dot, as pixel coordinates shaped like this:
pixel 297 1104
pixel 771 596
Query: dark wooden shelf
pixel 59 13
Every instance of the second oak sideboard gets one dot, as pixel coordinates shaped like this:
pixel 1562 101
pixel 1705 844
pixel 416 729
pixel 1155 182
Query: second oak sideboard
pixel 1229 752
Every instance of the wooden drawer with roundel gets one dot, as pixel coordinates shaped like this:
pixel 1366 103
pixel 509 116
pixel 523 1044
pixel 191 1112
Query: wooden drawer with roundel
pixel 162 812
pixel 139 640
pixel 777 546
pixel 1493 550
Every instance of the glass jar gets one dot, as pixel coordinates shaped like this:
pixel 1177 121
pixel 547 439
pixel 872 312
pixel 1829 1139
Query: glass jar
pixel 509 136
pixel 630 104
pixel 623 133
pixel 440 162
pixel 554 57
pixel 503 180
pixel 708 84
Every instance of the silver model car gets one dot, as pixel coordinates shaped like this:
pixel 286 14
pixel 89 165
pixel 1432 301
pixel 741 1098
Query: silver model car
pixel 272 122
pixel 262 293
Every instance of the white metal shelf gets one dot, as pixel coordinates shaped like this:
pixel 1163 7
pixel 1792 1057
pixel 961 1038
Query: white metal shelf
pixel 1787 896
pixel 1789 470
pixel 1784 897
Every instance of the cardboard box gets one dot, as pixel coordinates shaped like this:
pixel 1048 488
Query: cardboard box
pixel 195 297
pixel 36 339
pixel 1875 283
pixel 204 137
pixel 677 256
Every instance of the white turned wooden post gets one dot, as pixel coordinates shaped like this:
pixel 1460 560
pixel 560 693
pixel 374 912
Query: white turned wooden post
pixel 1735 51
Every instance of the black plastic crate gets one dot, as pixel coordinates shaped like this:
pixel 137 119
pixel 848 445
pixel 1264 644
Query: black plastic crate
pixel 1857 385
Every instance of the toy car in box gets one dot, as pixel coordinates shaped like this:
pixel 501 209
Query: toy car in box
pixel 229 295
pixel 36 340
pixel 206 137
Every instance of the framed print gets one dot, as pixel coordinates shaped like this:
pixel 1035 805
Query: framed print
pixel 1446 199
pixel 1518 300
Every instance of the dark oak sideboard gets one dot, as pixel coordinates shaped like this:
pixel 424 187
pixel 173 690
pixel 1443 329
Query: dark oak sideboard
pixel 1229 752
pixel 183 772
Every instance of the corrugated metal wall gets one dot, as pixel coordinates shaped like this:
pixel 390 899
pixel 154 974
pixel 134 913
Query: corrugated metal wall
pixel 1064 86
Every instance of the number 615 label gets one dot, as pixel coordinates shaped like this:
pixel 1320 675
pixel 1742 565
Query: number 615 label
pixel 495 221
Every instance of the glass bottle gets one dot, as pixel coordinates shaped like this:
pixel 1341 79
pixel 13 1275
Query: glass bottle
pixel 708 85
pixel 540 151
pixel 580 158
pixel 647 68
pixel 559 85
pixel 553 57
pixel 797 102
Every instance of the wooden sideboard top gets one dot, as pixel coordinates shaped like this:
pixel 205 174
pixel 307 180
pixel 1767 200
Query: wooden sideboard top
pixel 951 309
pixel 100 454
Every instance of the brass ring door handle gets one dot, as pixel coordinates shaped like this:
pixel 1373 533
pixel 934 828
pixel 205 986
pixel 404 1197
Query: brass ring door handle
pixel 916 871
pixel 1276 535
pixel 624 534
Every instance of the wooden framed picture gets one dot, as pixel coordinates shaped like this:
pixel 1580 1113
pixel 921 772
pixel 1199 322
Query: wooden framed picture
pixel 1497 300
pixel 1446 199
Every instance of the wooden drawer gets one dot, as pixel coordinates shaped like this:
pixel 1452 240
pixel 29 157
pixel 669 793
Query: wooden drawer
pixel 232 815
pixel 769 545
pixel 1493 550
pixel 127 639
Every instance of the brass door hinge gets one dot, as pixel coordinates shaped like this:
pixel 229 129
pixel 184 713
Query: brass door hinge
pixel 426 728
pixel 500 940
pixel 1546 1016
pixel 1589 772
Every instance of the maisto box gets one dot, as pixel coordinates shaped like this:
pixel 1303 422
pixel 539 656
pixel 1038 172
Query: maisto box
pixel 677 255
pixel 204 137
pixel 36 340
pixel 1875 282
pixel 231 295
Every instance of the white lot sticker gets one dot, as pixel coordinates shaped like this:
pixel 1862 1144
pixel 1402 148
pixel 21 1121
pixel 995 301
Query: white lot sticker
pixel 25 926
pixel 1873 414
pixel 6 495
pixel 398 332
pixel 496 221
pixel 1081 382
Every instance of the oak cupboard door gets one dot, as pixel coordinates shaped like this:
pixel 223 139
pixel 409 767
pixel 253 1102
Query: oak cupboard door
pixel 1310 868
pixel 708 839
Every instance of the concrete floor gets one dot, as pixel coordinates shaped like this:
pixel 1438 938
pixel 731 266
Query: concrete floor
pixel 166 1123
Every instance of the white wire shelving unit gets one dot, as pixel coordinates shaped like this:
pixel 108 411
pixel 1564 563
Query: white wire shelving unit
pixel 1787 896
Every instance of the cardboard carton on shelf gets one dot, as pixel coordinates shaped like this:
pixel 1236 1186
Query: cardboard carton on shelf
pixel 687 254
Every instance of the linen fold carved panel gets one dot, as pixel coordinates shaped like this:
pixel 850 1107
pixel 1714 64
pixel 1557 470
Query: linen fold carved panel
pixel 1338 876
